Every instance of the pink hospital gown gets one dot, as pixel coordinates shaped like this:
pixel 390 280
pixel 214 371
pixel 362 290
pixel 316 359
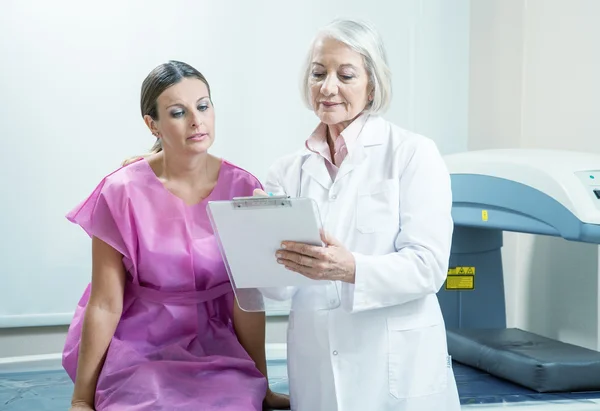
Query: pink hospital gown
pixel 174 347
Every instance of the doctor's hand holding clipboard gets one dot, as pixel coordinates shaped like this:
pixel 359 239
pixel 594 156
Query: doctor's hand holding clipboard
pixel 332 262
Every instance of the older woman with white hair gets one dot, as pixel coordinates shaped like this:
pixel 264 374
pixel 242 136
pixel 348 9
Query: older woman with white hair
pixel 384 198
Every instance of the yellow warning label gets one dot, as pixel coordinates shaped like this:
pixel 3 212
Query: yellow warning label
pixel 461 278
pixel 461 271
pixel 484 215
pixel 460 282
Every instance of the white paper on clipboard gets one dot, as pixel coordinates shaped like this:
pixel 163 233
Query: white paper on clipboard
pixel 250 230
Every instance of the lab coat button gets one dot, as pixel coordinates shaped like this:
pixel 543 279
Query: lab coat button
pixel 335 353
pixel 333 197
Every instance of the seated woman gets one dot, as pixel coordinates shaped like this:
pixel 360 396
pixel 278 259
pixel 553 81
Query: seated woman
pixel 158 328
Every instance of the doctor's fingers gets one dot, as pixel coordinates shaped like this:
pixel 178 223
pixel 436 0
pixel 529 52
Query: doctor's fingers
pixel 259 193
pixel 313 273
pixel 305 249
pixel 300 259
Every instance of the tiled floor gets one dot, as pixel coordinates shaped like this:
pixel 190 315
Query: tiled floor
pixel 51 391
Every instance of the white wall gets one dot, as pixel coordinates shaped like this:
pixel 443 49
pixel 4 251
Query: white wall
pixel 70 86
pixel 534 83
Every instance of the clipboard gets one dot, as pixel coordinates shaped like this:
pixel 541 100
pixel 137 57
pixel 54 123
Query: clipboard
pixel 249 231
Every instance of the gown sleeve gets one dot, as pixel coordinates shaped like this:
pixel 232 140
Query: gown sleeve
pixel 105 214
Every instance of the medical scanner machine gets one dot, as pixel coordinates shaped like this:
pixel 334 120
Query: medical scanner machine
pixel 554 193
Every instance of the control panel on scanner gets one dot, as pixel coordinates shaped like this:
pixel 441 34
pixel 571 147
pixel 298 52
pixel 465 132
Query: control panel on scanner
pixel 591 179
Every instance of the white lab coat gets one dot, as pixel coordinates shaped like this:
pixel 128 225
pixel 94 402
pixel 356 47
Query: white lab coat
pixel 384 347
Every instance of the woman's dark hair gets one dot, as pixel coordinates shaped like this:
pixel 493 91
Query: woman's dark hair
pixel 157 81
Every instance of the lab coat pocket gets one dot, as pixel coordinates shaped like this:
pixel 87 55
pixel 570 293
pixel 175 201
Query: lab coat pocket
pixel 377 207
pixel 418 357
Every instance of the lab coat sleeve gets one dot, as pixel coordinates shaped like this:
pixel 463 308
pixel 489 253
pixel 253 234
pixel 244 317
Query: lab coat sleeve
pixel 420 264
pixel 275 175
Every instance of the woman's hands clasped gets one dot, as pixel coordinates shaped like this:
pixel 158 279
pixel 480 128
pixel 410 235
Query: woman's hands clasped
pixel 333 262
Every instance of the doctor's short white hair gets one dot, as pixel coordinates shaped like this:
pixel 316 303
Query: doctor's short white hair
pixel 363 38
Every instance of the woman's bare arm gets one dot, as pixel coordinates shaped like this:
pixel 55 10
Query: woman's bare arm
pixel 250 328
pixel 102 315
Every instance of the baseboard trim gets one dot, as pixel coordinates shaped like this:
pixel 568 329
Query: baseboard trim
pixel 28 363
pixel 276 352
pixel 50 362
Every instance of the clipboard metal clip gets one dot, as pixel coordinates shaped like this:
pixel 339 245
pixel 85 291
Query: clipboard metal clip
pixel 261 202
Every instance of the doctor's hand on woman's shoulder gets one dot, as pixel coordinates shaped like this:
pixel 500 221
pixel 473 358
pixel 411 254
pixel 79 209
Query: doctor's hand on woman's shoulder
pixel 333 262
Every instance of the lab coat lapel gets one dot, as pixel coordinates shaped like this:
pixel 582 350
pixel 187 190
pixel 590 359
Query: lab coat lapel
pixel 353 160
pixel 315 168
pixel 370 135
